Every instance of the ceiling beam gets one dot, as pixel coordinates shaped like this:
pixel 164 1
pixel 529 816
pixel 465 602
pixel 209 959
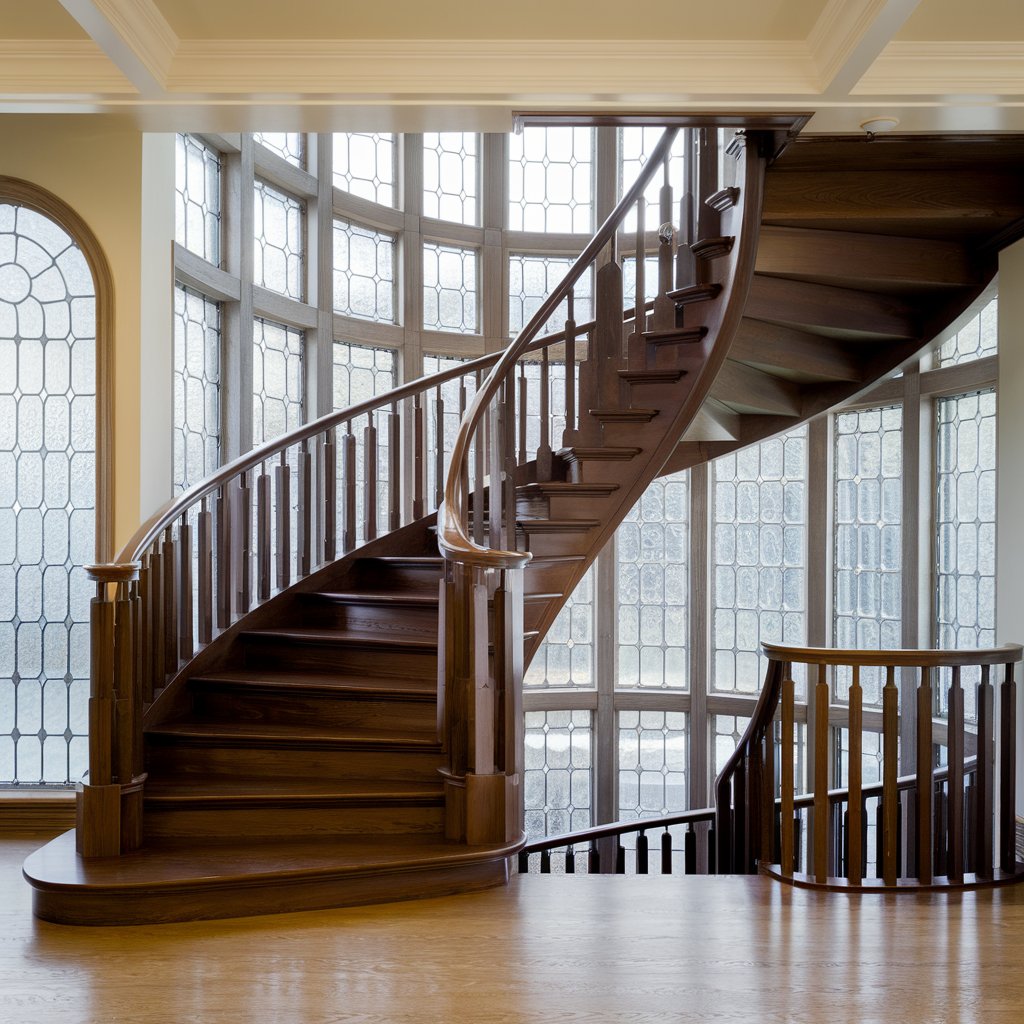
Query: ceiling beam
pixel 134 35
pixel 849 36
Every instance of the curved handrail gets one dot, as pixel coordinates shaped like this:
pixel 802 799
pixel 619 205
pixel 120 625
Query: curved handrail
pixel 452 534
pixel 618 828
pixel 904 658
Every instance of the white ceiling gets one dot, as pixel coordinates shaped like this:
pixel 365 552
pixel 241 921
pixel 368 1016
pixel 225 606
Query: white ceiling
pixel 229 65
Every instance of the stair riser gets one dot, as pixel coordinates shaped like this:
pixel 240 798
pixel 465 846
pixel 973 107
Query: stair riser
pixel 316 709
pixel 377 660
pixel 282 822
pixel 176 761
pixel 562 543
pixel 548 578
pixel 401 620
pixel 399 577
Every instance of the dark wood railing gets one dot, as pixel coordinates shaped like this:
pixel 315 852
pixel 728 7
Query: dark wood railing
pixel 941 825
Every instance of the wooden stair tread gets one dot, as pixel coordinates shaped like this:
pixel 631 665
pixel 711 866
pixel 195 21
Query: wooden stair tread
pixel 624 415
pixel 254 791
pixel 606 453
pixel 695 293
pixel 350 637
pixel 389 597
pixel 652 376
pixel 569 488
pixel 285 680
pixel 245 734
pixel 675 334
pixel 557 525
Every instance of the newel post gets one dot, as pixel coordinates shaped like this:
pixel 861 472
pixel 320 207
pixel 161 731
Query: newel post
pixel 480 671
pixel 109 800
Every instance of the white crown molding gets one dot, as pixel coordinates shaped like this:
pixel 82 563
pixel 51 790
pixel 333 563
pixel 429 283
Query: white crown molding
pixel 558 70
pixel 31 67
pixel 945 69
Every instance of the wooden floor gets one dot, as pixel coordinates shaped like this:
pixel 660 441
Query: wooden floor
pixel 547 948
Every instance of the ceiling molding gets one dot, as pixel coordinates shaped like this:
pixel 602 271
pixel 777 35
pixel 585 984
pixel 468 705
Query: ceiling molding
pixel 134 34
pixel 30 67
pixel 947 69
pixel 557 70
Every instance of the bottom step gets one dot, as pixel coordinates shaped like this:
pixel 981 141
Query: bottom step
pixel 189 883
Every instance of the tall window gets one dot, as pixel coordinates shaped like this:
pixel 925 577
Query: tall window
pixel 47 498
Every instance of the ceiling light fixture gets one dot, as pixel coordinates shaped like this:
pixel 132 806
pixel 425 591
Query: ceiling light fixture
pixel 878 125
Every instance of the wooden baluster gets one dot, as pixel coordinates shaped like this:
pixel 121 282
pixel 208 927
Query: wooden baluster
pixel 545 862
pixel 439 448
pixel 955 861
pixel 620 856
pixel 283 510
pixel 418 468
pixel 304 555
pixel 593 859
pixel 496 438
pixel 394 468
pixel 821 805
pixel 855 805
pixel 521 412
pixel 788 754
pixel 524 862
pixel 640 291
pixel 204 590
pixel 128 719
pixel 642 852
pixel 685 268
pixel 666 851
pixel 983 825
pixel 170 607
pixel 244 575
pixel 370 479
pixel 544 445
pixel 223 549
pixel 144 614
pixel 157 670
pixel 479 469
pixel 666 249
pixel 940 825
pixel 462 415
pixel 330 509
pixel 890 773
pixel 264 540
pixel 186 643
pixel 508 483
pixel 737 859
pixel 348 489
pixel 768 853
pixel 925 781
pixel 570 363
pixel 689 850
pixel 570 861
pixel 970 817
pixel 1008 770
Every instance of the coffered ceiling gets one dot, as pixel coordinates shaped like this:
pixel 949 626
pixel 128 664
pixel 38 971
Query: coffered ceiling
pixel 936 65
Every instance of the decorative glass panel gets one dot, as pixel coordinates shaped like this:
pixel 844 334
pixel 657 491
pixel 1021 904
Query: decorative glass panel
pixel 652 763
pixel 450 176
pixel 965 523
pixel 558 766
pixel 652 546
pixel 364 272
pixel 450 289
pixel 977 339
pixel 531 279
pixel 364 165
pixel 289 145
pixel 635 146
pixel 278 255
pixel 551 175
pixel 197 199
pixel 196 387
pixel 566 655
pixel 47 498
pixel 276 380
pixel 868 463
pixel 760 527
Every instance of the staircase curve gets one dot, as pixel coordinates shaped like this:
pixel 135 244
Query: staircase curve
pixel 306 670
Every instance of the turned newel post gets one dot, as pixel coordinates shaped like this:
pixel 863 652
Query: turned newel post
pixel 109 800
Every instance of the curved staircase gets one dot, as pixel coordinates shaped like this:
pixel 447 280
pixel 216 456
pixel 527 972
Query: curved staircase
pixel 298 703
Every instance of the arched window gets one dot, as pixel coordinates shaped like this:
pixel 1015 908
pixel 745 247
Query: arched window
pixel 54 346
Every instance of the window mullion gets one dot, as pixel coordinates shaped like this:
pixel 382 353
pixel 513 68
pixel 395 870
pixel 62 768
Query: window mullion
pixel 605 776
pixel 698 617
pixel 320 256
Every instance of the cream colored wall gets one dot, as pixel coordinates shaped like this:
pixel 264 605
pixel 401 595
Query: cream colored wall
pixel 94 164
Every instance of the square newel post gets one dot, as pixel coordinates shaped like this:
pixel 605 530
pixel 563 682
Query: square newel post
pixel 108 814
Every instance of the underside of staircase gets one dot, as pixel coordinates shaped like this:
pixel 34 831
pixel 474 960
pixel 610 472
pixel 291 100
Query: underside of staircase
pixel 296 761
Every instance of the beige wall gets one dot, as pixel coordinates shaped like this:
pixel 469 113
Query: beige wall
pixel 94 164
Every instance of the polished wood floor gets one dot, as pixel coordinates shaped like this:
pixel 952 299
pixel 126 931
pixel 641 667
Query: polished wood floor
pixel 547 948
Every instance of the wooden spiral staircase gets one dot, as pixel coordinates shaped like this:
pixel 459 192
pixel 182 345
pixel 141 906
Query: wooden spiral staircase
pixel 306 681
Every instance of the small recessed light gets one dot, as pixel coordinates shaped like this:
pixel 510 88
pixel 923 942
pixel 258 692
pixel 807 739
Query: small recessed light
pixel 879 125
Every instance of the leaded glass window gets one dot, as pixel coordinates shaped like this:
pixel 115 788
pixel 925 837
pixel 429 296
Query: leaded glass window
pixel 47 498
pixel 291 146
pixel 635 147
pixel 279 250
pixel 652 545
pixel 974 341
pixel 364 165
pixel 531 279
pixel 565 656
pixel 550 186
pixel 197 222
pixel 455 400
pixel 450 289
pixel 364 272
pixel 451 176
pixel 652 763
pixel 277 380
pixel 760 517
pixel 867 574
pixel 197 338
pixel 629 279
pixel 557 780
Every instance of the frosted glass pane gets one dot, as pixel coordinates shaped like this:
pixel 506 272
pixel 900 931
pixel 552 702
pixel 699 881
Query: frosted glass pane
pixel 364 272
pixel 551 180
pixel 364 164
pixel 558 780
pixel 279 252
pixel 197 198
pixel 451 176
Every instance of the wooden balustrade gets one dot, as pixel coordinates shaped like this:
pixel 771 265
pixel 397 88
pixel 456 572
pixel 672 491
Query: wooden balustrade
pixel 934 827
